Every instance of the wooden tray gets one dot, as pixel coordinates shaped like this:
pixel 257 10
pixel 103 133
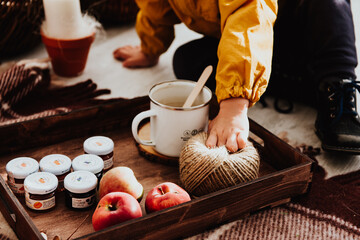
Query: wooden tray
pixel 284 173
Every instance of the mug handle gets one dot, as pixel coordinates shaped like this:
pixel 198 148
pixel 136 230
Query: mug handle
pixel 135 124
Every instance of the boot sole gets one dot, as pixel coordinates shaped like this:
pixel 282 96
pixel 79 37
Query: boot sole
pixel 340 149
pixel 337 149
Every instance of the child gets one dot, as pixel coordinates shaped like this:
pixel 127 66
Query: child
pixel 238 42
pixel 245 30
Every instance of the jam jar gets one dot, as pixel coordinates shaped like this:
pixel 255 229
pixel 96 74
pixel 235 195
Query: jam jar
pixel 58 164
pixel 101 146
pixel 89 162
pixel 80 190
pixel 40 190
pixel 17 170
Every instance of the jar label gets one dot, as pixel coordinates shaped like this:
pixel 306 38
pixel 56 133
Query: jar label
pixel 108 163
pixel 17 188
pixel 83 202
pixel 39 204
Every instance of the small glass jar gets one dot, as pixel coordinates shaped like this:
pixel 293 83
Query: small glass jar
pixel 89 162
pixel 102 147
pixel 80 190
pixel 40 190
pixel 58 164
pixel 17 170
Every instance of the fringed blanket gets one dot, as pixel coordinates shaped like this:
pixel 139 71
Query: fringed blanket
pixel 25 93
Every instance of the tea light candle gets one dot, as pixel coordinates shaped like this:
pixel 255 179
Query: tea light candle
pixel 63 19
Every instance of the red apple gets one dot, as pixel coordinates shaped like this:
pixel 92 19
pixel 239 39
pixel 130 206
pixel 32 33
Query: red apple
pixel 114 208
pixel 121 179
pixel 165 195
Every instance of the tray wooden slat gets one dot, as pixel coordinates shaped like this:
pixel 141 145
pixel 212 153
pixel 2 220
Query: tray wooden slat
pixel 49 130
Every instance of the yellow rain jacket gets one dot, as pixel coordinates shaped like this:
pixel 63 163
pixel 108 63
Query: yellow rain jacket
pixel 245 30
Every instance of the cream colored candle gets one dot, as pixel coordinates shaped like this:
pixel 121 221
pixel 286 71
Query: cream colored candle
pixel 63 19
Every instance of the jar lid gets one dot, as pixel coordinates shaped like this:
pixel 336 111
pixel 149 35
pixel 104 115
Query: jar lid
pixel 21 167
pixel 80 182
pixel 98 145
pixel 41 183
pixel 57 164
pixel 88 162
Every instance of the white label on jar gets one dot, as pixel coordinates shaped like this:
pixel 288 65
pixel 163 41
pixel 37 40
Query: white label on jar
pixel 83 202
pixel 108 163
pixel 39 204
pixel 17 188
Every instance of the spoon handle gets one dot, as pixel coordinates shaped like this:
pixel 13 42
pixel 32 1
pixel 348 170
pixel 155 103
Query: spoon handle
pixel 199 85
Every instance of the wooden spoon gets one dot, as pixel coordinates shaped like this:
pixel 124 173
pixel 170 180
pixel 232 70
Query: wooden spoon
pixel 199 85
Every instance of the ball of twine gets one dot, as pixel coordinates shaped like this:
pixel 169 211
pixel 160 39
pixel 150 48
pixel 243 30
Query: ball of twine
pixel 204 170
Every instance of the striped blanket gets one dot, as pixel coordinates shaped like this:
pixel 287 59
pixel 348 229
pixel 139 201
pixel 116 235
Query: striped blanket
pixel 25 93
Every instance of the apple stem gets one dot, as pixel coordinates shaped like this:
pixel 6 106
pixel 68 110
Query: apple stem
pixel 111 207
pixel 161 190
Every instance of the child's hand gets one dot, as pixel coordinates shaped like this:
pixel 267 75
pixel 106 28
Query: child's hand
pixel 133 57
pixel 231 126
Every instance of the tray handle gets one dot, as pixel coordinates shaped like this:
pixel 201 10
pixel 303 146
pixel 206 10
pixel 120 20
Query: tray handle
pixel 7 212
pixel 282 154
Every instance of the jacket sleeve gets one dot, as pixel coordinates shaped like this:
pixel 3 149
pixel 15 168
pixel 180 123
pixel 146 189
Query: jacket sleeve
pixel 245 48
pixel 155 26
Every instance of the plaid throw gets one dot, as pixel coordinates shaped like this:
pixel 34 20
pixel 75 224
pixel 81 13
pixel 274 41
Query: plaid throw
pixel 25 93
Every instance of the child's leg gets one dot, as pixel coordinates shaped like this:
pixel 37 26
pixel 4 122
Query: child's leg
pixel 193 57
pixel 330 38
pixel 312 39
pixel 315 38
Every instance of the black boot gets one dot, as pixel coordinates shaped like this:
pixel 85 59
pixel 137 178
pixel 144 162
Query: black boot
pixel 338 124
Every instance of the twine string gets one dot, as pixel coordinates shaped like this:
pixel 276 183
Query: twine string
pixel 204 170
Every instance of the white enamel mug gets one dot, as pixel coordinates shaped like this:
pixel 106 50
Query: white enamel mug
pixel 171 125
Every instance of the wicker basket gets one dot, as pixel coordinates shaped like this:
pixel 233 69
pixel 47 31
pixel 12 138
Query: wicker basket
pixel 111 12
pixel 19 26
pixel 20 21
